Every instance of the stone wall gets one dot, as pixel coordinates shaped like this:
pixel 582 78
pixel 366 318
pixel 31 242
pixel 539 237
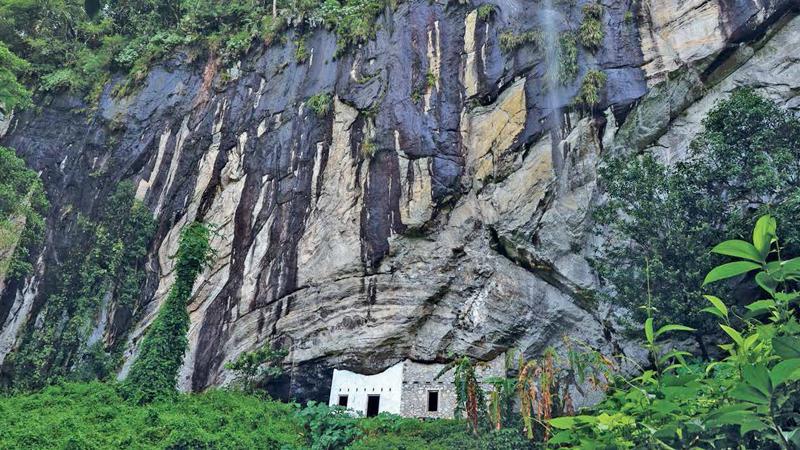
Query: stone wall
pixel 420 378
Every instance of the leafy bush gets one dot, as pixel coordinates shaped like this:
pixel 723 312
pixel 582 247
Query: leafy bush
pixel 567 58
pixel 749 397
pixel 12 92
pixel 320 104
pixel 591 88
pixel 94 415
pixel 511 41
pixel 22 206
pixel 254 369
pixel 485 12
pixel 154 373
pixel 69 49
pixel 744 163
pixel 591 31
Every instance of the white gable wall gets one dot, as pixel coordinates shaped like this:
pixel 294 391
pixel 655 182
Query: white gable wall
pixel 388 384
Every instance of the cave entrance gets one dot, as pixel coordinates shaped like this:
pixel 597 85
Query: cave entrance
pixel 373 405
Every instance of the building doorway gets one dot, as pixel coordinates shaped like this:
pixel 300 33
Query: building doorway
pixel 373 405
pixel 343 400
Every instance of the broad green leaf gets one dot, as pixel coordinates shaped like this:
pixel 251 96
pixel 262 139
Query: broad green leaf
pixel 758 377
pixel 714 311
pixel 718 304
pixel 766 282
pixel 738 249
pixel 748 393
pixel 748 425
pixel 563 423
pixel 648 330
pixel 749 341
pixel 787 370
pixel 729 270
pixel 761 305
pixel 672 327
pixel 792 265
pixel 763 233
pixel 562 437
pixel 786 347
pixel 733 334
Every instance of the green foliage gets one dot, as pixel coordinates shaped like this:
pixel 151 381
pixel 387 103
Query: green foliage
pixel 155 372
pixel 328 428
pixel 12 92
pixel 69 49
pixel 300 51
pixel 510 41
pixel 591 32
pixel 591 88
pixel 254 369
pixel 748 397
pixel 22 206
pixel 567 58
pixel 485 12
pixel 106 264
pixel 94 415
pixel 320 104
pixel 744 163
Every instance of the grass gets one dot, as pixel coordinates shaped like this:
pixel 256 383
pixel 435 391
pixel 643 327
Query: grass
pixel 94 415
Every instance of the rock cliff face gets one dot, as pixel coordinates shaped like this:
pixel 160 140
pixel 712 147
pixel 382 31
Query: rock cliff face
pixel 431 211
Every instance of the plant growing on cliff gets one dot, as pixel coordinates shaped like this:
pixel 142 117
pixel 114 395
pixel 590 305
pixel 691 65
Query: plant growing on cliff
pixel 103 269
pixel 22 206
pixel 154 374
pixel 744 163
pixel 254 369
pixel 510 41
pixel 485 12
pixel 591 89
pixel 12 92
pixel 591 31
pixel 567 58
pixel 320 104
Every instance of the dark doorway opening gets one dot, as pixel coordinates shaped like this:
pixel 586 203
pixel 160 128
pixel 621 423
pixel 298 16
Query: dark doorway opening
pixel 373 405
pixel 343 400
pixel 433 401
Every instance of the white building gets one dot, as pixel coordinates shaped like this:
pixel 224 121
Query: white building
pixel 407 388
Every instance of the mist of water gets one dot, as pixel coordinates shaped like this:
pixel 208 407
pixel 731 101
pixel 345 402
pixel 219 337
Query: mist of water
pixel 548 19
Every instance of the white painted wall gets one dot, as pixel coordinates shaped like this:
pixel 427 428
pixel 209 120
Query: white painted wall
pixel 388 384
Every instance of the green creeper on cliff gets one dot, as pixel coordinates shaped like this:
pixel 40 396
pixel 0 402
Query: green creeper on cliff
pixel 155 372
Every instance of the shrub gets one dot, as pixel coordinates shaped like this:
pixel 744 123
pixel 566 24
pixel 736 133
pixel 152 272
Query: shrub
pixel 320 104
pixel 256 368
pixel 12 92
pixel 511 41
pixel 591 31
pixel 22 207
pixel 591 88
pixel 96 415
pixel 662 218
pixel 485 12
pixel 748 397
pixel 567 58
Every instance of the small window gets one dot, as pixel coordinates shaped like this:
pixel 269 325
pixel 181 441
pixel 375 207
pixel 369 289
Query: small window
pixel 433 401
pixel 343 400
pixel 373 405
